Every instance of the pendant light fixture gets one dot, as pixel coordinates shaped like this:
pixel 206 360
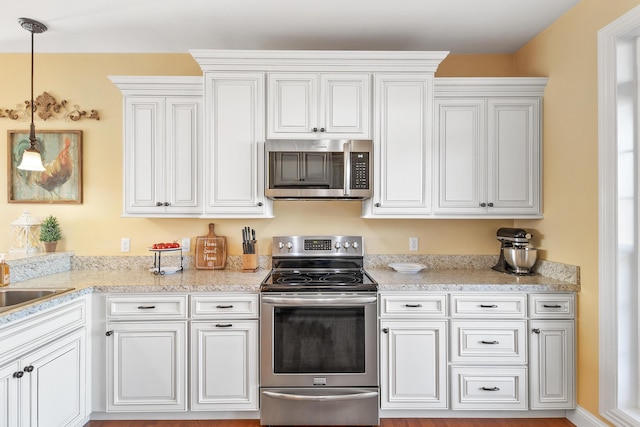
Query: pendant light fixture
pixel 31 158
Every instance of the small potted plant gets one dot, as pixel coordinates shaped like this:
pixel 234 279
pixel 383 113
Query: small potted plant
pixel 50 233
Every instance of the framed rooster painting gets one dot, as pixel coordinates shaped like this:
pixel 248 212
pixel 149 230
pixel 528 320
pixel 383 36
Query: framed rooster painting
pixel 60 182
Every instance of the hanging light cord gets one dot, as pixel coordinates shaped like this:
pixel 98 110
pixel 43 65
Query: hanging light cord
pixel 32 129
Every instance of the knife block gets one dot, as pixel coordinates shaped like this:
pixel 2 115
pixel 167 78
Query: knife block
pixel 250 261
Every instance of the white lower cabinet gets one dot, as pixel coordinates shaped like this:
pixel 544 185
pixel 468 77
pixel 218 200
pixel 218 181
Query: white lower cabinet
pixel 488 351
pixel 146 366
pixel 224 365
pixel 413 364
pixel 43 369
pixel 503 351
pixel 224 352
pixel 413 352
pixel 160 346
pixel 146 353
pixel 552 352
pixel 56 378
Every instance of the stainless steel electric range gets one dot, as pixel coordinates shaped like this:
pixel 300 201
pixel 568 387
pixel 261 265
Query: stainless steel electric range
pixel 319 340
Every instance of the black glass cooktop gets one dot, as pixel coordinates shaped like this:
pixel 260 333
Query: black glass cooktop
pixel 318 280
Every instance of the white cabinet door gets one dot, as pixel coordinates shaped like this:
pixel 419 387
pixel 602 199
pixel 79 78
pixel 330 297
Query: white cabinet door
pixel 234 147
pixel 224 365
pixel 552 364
pixel 143 119
pixel 488 147
pixel 460 130
pixel 146 366
pixel 162 143
pixel 53 388
pixel 162 120
pixel 514 156
pixel 293 105
pixel 311 105
pixel 413 364
pixel 183 143
pixel 9 393
pixel 403 148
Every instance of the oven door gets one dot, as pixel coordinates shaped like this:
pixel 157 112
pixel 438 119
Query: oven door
pixel 319 340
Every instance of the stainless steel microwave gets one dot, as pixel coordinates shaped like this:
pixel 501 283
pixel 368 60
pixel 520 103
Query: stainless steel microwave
pixel 319 169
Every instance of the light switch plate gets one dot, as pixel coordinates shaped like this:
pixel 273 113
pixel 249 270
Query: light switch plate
pixel 186 244
pixel 125 244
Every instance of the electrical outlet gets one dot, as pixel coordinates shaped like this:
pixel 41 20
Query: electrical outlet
pixel 125 244
pixel 413 243
pixel 186 244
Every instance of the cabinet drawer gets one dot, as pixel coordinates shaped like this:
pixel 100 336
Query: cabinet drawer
pixel 489 305
pixel 413 305
pixel 489 342
pixel 552 306
pixel 228 306
pixel 147 307
pixel 489 388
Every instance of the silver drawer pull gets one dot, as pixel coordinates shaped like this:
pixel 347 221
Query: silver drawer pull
pixel 490 342
pixel 552 306
pixel 488 306
pixel 223 325
pixel 491 388
pixel 413 305
pixel 146 307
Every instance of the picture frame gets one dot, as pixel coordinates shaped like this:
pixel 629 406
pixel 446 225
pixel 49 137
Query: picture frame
pixel 61 182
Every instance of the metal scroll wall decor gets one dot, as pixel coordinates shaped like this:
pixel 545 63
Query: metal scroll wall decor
pixel 47 107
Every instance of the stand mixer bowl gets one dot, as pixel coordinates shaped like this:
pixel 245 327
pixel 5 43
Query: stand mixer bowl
pixel 521 258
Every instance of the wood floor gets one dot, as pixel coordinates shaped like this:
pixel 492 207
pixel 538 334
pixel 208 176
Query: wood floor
pixel 387 422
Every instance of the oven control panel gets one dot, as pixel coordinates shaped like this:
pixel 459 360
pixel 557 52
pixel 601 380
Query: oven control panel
pixel 317 245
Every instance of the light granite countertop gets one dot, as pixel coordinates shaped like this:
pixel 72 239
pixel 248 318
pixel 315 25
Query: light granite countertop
pixel 135 281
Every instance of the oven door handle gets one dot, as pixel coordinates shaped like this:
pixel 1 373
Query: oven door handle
pixel 332 398
pixel 319 300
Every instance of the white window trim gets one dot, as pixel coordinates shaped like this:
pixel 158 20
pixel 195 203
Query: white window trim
pixel 609 291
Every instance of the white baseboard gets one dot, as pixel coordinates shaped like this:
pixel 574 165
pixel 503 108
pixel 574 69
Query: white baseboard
pixel 583 418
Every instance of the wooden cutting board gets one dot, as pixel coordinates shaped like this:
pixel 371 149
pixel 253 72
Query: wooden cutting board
pixel 211 251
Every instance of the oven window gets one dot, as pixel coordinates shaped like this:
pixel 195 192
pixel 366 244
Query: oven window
pixel 320 340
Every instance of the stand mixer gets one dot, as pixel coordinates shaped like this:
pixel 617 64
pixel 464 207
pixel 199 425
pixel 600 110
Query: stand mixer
pixel 516 256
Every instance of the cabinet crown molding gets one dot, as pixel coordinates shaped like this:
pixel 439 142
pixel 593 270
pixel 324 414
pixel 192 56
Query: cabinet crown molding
pixel 318 60
pixel 159 85
pixel 489 86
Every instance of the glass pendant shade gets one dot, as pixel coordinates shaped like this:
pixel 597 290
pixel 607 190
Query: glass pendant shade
pixel 31 160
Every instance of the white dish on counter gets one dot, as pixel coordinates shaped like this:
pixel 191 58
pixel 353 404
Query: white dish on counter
pixel 407 268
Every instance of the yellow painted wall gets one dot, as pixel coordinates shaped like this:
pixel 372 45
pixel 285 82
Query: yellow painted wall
pixel 95 226
pixel 567 53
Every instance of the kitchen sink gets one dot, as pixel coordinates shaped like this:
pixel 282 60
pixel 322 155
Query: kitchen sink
pixel 12 298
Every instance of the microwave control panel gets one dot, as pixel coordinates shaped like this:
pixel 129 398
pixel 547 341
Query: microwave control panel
pixel 359 171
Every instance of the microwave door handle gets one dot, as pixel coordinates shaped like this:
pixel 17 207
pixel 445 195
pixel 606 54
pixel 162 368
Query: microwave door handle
pixel 347 168
pixel 325 398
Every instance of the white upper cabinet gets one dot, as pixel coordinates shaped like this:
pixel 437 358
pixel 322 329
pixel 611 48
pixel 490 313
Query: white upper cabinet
pixel 402 146
pixel 488 147
pixel 312 105
pixel 234 145
pixel 162 145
